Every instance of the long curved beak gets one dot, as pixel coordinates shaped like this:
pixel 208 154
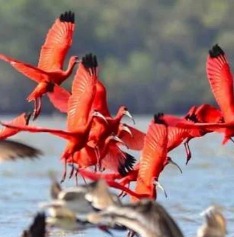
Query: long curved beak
pixel 126 129
pixel 127 113
pixel 98 114
pixel 170 161
pixel 116 138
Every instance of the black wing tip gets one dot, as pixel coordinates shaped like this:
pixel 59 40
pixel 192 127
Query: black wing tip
pixel 192 117
pixel 158 118
pixel 90 61
pixel 67 16
pixel 127 166
pixel 216 51
pixel 37 228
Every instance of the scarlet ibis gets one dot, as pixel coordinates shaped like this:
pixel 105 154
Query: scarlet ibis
pixel 153 158
pixel 182 129
pixel 79 119
pixel 204 113
pixel 50 66
pixel 60 97
pixel 221 82
pixel 101 130
pixel 110 157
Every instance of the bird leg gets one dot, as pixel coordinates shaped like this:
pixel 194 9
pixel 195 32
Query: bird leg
pixel 187 149
pixel 72 167
pixel 37 108
pixel 157 184
pixel 123 193
pixel 98 156
pixel 64 171
pixel 231 139
pixel 84 179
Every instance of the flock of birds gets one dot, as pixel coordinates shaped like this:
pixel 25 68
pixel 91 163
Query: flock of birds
pixel 95 140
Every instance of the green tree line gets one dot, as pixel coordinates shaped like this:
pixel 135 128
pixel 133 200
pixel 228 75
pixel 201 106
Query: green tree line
pixel 152 53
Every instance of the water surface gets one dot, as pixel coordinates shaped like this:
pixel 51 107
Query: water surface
pixel 206 180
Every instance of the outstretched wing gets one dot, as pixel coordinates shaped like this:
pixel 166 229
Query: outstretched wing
pixel 152 158
pixel 22 119
pixel 34 129
pixel 59 98
pixel 83 91
pixel 117 160
pixel 26 69
pixel 221 81
pixel 12 150
pixel 57 43
pixel 135 140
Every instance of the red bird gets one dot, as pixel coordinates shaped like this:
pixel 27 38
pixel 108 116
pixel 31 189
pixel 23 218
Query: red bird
pixel 49 71
pixel 221 82
pixel 153 158
pixel 183 129
pixel 100 130
pixel 111 157
pixel 79 119
pixel 132 137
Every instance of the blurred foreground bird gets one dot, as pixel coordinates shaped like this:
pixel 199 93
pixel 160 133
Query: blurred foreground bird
pixel 13 150
pixel 94 205
pixel 146 217
pixel 84 198
pixel 37 228
pixel 69 210
pixel 215 223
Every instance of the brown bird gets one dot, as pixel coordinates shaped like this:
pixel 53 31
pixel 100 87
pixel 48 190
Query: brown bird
pixel 215 223
pixel 13 150
pixel 37 228
pixel 146 217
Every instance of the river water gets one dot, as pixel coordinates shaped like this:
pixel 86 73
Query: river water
pixel 206 180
